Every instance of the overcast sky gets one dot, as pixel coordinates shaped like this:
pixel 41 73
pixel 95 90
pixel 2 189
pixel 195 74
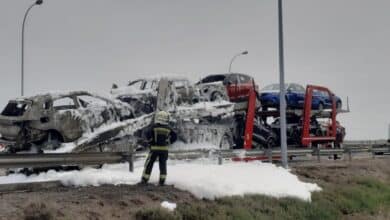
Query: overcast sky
pixel 89 44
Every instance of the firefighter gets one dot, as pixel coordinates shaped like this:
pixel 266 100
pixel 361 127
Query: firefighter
pixel 159 137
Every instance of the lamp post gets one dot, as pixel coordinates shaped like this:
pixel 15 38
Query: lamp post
pixel 235 56
pixel 37 2
pixel 282 107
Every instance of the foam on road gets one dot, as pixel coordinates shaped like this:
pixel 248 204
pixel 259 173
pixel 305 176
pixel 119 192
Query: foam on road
pixel 203 179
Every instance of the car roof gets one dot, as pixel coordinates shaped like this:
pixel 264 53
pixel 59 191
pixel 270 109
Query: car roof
pixel 55 95
pixel 226 75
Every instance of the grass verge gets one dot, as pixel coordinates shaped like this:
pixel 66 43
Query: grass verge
pixel 361 197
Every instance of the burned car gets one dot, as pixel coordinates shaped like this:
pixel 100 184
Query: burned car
pixel 141 94
pixel 46 121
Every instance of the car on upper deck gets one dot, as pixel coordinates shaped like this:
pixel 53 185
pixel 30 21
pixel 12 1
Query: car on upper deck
pixel 234 87
pixel 295 97
pixel 142 93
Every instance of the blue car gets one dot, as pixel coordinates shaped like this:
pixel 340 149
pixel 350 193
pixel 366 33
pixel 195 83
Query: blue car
pixel 295 97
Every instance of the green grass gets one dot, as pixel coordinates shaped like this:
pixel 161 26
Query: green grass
pixel 360 197
pixel 156 214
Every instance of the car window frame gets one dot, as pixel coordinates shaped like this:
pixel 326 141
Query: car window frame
pixel 211 79
pixel 131 84
pixel 106 103
pixel 301 88
pixel 73 98
pixel 246 81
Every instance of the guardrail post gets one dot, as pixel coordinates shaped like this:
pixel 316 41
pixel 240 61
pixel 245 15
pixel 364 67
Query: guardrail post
pixel 131 163
pixel 128 157
pixel 349 154
pixel 269 154
pixel 219 157
pixel 318 153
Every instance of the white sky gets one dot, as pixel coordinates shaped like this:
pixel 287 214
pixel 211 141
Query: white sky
pixel 89 44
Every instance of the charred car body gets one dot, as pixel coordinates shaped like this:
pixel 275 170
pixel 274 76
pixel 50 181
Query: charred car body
pixel 48 120
pixel 51 119
pixel 142 93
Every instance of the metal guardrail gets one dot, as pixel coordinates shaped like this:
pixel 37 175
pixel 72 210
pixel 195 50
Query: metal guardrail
pixel 99 158
pixel 63 159
pixel 272 155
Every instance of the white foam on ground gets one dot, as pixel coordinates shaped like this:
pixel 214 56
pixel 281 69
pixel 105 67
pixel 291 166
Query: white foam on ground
pixel 202 178
pixel 169 205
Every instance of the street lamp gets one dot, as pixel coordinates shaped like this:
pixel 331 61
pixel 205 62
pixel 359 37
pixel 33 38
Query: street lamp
pixel 235 56
pixel 282 107
pixel 38 2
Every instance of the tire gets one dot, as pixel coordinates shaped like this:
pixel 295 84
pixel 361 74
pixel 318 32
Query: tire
pixel 226 142
pixel 53 140
pixel 216 96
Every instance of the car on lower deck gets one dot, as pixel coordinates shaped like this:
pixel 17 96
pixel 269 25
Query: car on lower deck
pixel 51 119
pixel 318 128
pixel 295 97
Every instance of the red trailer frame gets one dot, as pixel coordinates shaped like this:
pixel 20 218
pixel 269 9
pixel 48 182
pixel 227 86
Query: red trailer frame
pixel 307 139
pixel 250 117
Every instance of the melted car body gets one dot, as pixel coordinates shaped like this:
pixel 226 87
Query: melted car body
pixel 51 119
pixel 141 94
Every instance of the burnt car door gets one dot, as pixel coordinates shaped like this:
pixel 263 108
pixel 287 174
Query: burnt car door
pixel 95 111
pixel 66 118
pixel 44 114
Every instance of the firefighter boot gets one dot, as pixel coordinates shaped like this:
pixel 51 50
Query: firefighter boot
pixel 161 182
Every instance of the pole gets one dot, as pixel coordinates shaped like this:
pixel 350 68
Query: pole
pixel 231 61
pixel 233 58
pixel 388 137
pixel 283 135
pixel 38 2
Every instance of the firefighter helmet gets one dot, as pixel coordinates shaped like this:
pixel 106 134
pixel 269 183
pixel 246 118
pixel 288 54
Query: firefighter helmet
pixel 161 117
